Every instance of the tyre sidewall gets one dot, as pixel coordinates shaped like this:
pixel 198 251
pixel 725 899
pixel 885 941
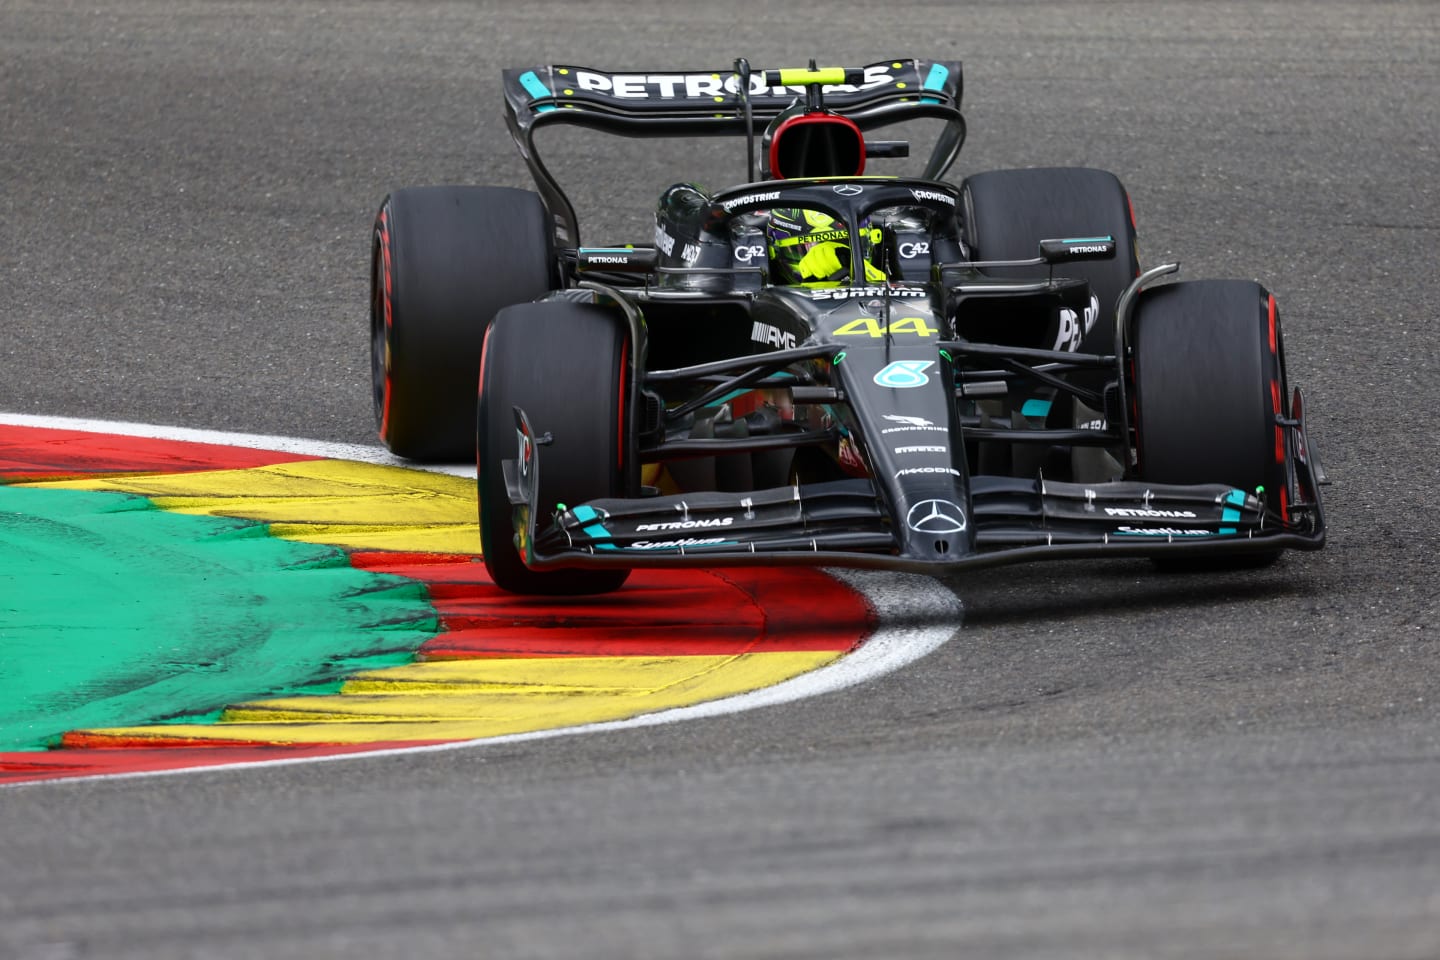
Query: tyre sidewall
pixel 1208 385
pixel 567 365
pixel 446 259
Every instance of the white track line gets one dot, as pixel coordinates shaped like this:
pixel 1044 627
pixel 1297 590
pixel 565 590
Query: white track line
pixel 916 615
pixel 311 448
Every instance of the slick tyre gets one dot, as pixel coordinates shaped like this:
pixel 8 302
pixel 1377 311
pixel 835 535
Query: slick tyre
pixel 567 365
pixel 1209 383
pixel 444 260
pixel 1008 212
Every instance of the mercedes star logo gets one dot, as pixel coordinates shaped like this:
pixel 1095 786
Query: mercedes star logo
pixel 848 189
pixel 936 516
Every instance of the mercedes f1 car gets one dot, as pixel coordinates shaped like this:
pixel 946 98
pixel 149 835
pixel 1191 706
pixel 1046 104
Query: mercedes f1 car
pixel 823 365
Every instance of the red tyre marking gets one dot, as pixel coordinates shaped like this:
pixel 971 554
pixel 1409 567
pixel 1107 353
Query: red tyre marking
pixel 1270 307
pixel 480 390
pixel 385 286
pixel 1277 403
pixel 484 345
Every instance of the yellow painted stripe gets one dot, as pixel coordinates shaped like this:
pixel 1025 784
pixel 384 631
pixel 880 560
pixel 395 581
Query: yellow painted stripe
pixel 370 507
pixel 639 674
pixel 456 538
pixel 360 506
pixel 511 696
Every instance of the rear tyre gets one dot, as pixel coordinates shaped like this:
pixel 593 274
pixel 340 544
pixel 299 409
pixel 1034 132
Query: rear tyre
pixel 1008 212
pixel 1209 383
pixel 443 261
pixel 567 366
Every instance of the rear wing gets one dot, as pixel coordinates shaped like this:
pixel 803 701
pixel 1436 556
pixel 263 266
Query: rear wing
pixel 730 102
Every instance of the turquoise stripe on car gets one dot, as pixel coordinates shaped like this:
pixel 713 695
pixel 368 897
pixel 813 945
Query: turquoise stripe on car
pixel 585 514
pixel 1228 515
pixel 536 88
pixel 935 80
pixel 1035 408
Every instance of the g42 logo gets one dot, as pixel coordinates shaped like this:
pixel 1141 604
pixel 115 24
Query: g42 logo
pixel 870 327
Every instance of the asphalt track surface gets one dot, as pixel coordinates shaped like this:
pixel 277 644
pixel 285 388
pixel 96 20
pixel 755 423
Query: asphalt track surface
pixel 1103 762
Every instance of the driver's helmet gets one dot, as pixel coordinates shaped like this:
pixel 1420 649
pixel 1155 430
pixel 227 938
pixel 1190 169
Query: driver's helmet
pixel 812 249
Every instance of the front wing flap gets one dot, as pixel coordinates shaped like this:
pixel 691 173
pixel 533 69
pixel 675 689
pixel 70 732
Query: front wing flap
pixel 839 515
pixel 848 523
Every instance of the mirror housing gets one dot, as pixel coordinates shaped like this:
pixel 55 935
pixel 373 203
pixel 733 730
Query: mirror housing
pixel 616 259
pixel 1077 248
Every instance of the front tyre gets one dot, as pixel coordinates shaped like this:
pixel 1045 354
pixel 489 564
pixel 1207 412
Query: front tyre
pixel 567 365
pixel 1209 385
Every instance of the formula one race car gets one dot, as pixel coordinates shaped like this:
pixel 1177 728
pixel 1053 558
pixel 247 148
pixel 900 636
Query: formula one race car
pixel 823 366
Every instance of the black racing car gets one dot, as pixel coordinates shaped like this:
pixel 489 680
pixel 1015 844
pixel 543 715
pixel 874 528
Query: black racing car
pixel 823 366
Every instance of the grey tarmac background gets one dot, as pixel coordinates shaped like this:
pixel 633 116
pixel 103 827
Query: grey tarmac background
pixel 1104 762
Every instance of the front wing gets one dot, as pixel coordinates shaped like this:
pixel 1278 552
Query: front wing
pixel 848 523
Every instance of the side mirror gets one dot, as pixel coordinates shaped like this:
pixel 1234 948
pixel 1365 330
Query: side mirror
pixel 1078 248
pixel 616 259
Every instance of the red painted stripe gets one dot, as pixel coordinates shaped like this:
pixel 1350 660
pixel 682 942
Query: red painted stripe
pixel 613 641
pixel 41 453
pixel 116 757
pixel 658 612
pixel 430 567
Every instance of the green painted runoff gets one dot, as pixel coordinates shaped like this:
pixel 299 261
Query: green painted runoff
pixel 114 613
